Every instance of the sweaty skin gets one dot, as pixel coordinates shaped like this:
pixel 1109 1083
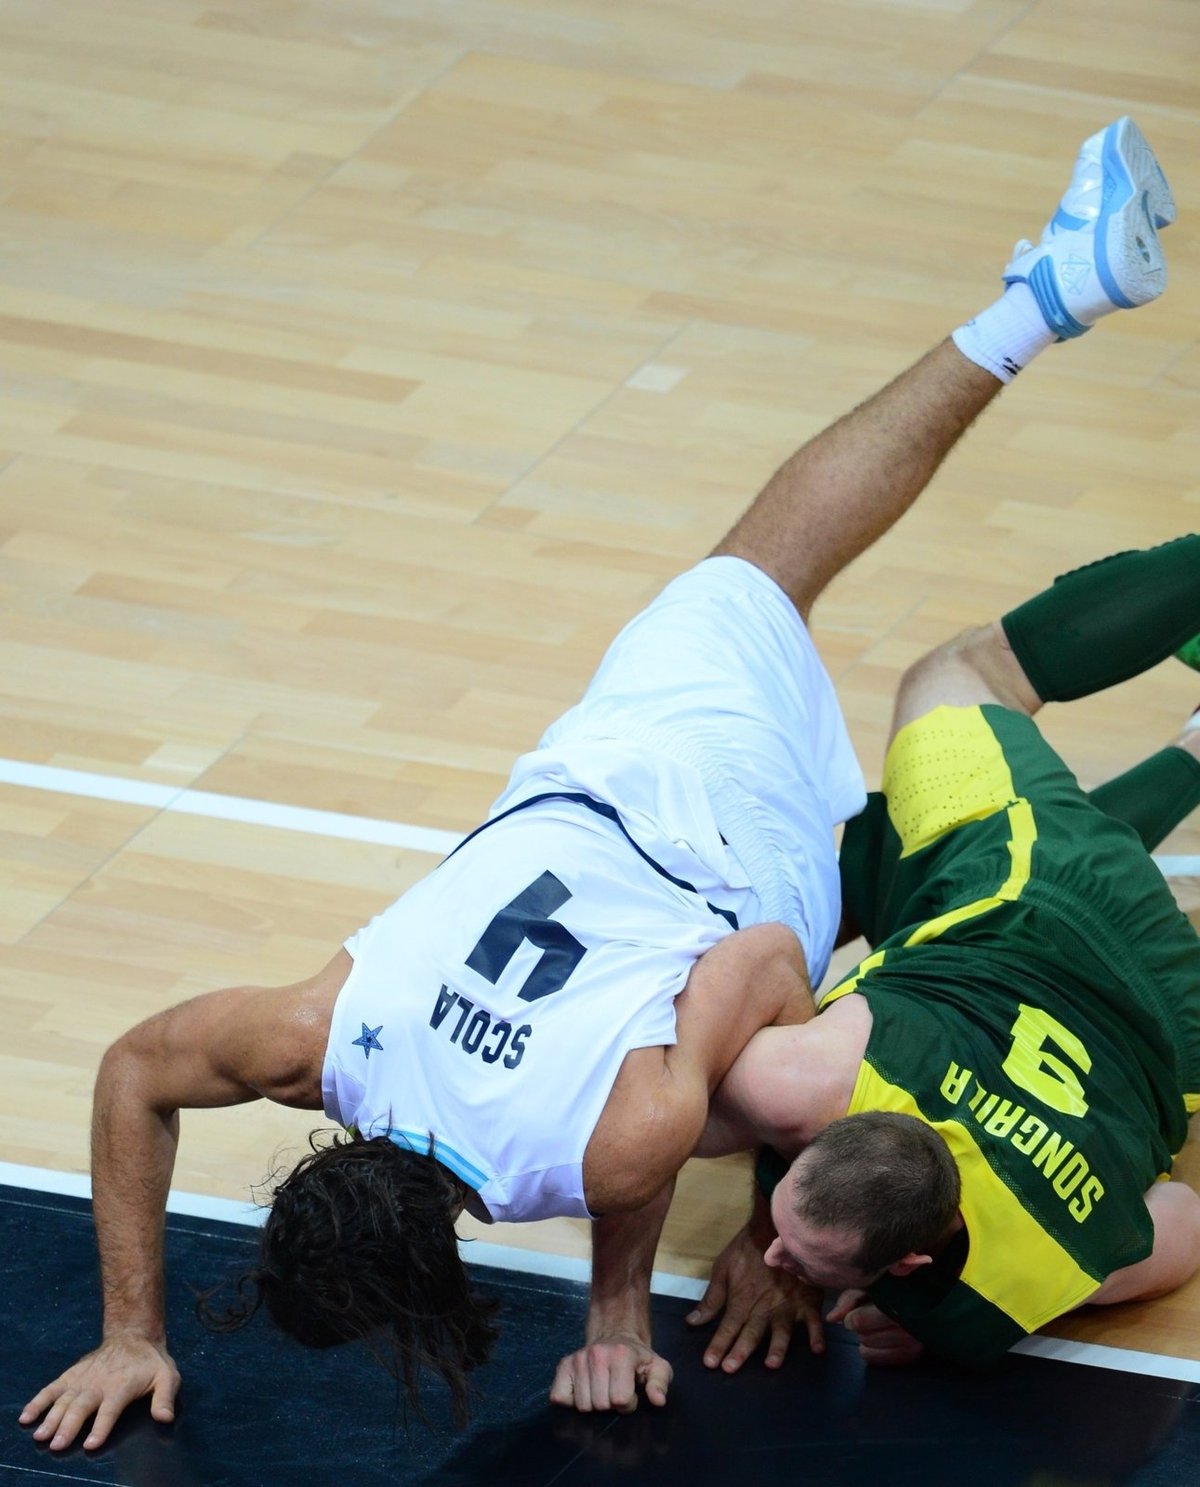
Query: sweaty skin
pixel 246 1043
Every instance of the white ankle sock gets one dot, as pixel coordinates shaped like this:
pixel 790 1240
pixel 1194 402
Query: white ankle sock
pixel 1006 336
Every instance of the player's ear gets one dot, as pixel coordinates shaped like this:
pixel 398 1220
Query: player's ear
pixel 909 1263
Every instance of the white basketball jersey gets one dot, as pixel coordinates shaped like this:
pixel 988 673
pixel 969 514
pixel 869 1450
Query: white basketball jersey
pixel 489 1009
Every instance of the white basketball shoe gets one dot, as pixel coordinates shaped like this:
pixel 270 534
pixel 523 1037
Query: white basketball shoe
pixel 1100 251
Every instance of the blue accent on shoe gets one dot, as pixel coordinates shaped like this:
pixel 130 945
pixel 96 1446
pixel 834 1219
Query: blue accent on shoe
pixel 1050 301
pixel 1153 218
pixel 1118 188
pixel 1066 220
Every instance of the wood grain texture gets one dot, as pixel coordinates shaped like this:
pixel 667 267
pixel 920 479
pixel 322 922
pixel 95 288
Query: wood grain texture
pixel 364 367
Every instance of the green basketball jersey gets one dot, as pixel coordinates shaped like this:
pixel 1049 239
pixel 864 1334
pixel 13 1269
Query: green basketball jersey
pixel 1054 1135
pixel 1032 990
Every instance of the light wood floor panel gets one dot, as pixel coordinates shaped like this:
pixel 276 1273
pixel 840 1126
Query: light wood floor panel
pixel 364 366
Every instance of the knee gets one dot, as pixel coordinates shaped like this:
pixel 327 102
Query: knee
pixel 988 653
pixel 976 667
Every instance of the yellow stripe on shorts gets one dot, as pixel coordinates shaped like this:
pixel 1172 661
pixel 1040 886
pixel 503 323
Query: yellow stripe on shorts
pixel 1022 835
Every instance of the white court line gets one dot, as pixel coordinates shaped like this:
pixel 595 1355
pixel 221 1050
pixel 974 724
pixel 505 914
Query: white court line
pixel 229 1211
pixel 564 1267
pixel 78 1185
pixel 1123 1360
pixel 290 817
pixel 227 807
pixel 55 1476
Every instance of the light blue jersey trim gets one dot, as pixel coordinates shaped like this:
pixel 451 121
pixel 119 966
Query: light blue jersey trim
pixel 421 1142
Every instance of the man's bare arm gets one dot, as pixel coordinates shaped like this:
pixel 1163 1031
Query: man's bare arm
pixel 618 1354
pixel 754 1300
pixel 1175 1209
pixel 225 1048
pixel 751 980
pixel 657 1110
pixel 746 981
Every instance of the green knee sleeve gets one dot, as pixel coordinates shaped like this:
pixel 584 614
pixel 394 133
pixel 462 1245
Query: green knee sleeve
pixel 1104 623
pixel 1153 797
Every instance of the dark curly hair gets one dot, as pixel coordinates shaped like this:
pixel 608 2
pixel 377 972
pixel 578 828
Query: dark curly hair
pixel 360 1244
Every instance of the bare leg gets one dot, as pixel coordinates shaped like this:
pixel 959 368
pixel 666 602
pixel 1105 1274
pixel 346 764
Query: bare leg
pixel 975 667
pixel 831 500
pixel 846 487
pixel 979 667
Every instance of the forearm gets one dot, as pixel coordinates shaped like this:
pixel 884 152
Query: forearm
pixel 753 979
pixel 221 1049
pixel 133 1156
pixel 760 1226
pixel 623 1250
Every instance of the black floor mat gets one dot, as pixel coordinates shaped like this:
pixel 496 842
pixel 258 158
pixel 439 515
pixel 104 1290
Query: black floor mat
pixel 258 1411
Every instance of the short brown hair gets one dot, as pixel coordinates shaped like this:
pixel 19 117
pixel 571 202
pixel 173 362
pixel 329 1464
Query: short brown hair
pixel 889 1178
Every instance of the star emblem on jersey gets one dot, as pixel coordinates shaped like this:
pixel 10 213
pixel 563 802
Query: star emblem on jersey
pixel 369 1040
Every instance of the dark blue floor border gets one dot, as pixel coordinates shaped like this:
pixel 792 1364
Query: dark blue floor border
pixel 257 1411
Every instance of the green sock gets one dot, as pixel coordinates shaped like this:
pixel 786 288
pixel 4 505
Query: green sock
pixel 1153 797
pixel 1104 623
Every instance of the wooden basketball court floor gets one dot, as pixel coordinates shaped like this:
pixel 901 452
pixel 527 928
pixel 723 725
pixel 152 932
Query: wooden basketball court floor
pixel 366 365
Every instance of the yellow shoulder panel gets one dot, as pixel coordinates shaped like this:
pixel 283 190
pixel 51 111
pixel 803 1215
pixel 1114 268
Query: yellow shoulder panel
pixel 1012 1262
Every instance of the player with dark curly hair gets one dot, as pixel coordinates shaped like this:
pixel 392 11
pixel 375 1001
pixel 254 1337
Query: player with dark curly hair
pixel 339 1263
pixel 537 1027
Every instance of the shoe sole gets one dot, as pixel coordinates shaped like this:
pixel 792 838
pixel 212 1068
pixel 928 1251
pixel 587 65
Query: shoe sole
pixel 1137 202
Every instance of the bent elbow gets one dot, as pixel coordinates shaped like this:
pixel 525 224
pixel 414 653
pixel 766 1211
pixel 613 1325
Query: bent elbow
pixel 128 1074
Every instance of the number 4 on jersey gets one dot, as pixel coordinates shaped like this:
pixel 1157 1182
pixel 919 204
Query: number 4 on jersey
pixel 528 918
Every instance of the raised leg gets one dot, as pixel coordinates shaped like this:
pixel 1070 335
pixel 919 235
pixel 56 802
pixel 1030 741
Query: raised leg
pixel 845 488
pixel 834 497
